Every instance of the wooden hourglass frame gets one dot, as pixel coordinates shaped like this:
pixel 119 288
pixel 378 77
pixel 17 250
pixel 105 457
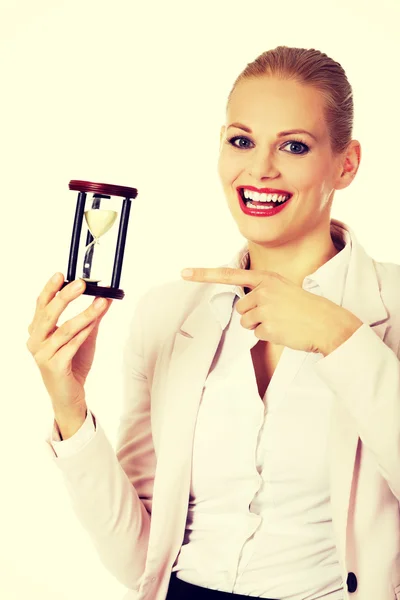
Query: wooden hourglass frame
pixel 101 192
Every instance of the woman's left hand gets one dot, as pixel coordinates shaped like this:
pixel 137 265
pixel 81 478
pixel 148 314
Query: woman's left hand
pixel 281 312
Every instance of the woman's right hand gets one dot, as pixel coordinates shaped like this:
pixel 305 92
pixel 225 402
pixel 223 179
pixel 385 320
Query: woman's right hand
pixel 64 354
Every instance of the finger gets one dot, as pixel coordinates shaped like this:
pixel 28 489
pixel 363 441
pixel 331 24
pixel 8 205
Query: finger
pixel 66 353
pixel 47 294
pixel 108 301
pixel 248 302
pixel 252 318
pixel 48 312
pixel 226 275
pixel 104 311
pixel 44 351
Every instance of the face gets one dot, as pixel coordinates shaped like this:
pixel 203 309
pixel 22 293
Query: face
pixel 254 153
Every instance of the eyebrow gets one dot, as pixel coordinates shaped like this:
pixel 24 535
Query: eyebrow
pixel 280 134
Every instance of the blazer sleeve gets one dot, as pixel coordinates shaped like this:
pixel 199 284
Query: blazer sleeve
pixel 111 491
pixel 76 441
pixel 364 373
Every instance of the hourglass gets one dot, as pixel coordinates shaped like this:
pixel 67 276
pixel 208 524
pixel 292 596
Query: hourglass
pixel 99 222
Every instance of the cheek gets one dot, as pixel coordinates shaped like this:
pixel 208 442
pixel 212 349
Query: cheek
pixel 309 177
pixel 229 168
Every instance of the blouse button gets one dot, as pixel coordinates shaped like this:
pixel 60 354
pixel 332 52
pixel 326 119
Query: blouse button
pixel 351 582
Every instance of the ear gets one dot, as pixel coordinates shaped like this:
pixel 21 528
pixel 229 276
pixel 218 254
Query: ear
pixel 349 165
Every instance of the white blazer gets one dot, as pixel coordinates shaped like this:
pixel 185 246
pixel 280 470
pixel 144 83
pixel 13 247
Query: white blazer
pixel 133 503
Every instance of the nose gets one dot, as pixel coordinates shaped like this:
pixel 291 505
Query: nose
pixel 262 165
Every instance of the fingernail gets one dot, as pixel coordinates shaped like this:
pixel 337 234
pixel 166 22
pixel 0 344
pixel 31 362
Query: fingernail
pixel 77 285
pixel 99 302
pixel 187 272
pixel 55 278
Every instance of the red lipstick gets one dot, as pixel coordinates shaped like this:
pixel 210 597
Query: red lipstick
pixel 262 212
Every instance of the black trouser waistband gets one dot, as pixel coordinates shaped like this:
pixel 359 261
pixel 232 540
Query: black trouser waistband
pixel 181 590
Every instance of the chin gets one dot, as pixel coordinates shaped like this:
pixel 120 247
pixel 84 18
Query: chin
pixel 258 235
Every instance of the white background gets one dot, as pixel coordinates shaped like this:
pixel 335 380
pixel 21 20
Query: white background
pixel 133 93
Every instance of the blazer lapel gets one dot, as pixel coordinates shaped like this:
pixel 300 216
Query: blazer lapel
pixel 193 351
pixel 362 298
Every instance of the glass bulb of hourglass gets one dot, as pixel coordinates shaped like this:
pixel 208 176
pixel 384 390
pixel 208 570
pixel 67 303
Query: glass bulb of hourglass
pixel 99 221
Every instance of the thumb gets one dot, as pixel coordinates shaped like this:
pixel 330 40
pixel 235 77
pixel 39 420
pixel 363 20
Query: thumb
pixel 104 310
pixel 95 330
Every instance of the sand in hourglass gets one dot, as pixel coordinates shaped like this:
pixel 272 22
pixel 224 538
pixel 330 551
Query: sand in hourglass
pixel 99 221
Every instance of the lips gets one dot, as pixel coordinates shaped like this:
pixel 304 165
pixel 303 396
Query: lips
pixel 268 209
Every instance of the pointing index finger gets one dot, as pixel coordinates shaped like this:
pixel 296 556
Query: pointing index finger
pixel 223 275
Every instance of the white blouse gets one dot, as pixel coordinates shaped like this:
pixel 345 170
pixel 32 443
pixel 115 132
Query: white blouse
pixel 259 518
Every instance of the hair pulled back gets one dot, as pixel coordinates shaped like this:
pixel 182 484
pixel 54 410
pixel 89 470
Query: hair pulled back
pixel 314 68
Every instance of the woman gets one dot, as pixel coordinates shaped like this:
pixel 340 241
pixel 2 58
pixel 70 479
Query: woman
pixel 258 452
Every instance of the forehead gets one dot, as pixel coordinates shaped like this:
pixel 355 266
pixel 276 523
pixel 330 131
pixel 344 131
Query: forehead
pixel 279 104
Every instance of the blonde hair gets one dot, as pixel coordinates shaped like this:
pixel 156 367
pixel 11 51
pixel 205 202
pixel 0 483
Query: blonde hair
pixel 316 69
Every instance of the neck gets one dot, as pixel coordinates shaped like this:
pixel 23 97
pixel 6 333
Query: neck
pixel 294 260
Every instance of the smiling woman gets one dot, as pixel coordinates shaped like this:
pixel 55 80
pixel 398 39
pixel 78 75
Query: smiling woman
pixel 258 449
pixel 296 108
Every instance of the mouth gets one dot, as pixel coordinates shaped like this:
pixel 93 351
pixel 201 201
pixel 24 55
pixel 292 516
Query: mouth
pixel 262 204
pixel 269 198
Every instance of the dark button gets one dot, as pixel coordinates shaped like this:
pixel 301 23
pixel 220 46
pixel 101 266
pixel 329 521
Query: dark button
pixel 351 582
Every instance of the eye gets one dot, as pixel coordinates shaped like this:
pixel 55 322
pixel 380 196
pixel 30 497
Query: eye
pixel 238 137
pixel 298 143
pixel 232 141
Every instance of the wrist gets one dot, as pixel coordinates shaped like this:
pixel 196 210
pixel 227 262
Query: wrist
pixel 69 421
pixel 342 327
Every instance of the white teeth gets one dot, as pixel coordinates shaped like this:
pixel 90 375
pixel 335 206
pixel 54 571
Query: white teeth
pixel 256 196
pixel 251 205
